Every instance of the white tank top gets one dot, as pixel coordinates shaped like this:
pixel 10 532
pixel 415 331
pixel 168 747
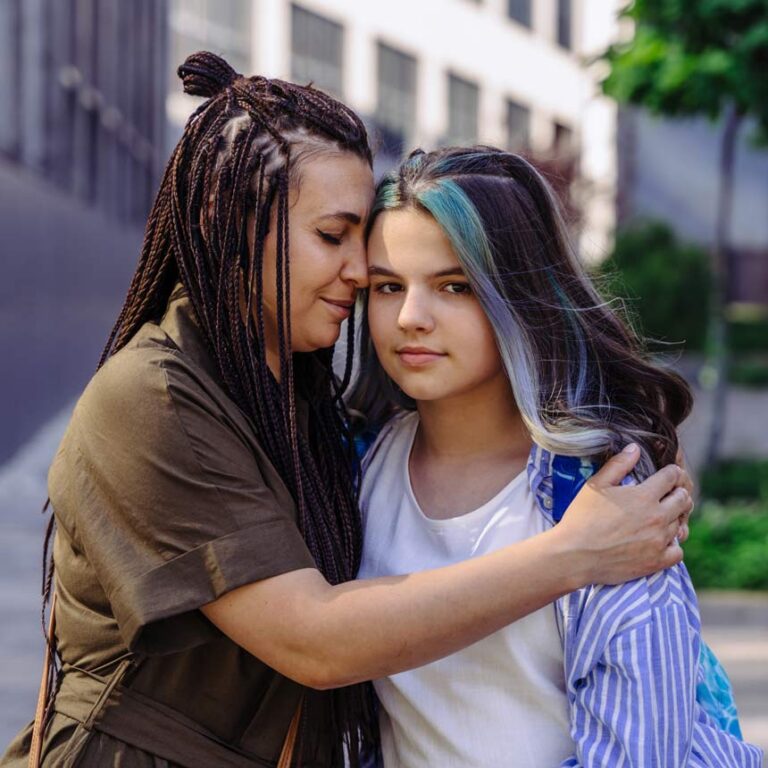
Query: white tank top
pixel 500 703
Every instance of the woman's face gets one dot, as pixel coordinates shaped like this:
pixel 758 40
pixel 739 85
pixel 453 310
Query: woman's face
pixel 328 210
pixel 429 331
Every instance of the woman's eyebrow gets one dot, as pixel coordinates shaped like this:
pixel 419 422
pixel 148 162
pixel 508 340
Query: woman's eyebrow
pixel 352 218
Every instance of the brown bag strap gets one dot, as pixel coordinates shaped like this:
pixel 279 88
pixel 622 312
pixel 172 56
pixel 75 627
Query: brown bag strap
pixel 36 746
pixel 290 739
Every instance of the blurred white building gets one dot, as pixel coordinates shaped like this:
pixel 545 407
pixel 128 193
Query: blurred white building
pixel 512 73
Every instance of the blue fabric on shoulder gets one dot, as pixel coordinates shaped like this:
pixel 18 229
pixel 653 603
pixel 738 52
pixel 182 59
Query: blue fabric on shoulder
pixel 364 441
pixel 713 690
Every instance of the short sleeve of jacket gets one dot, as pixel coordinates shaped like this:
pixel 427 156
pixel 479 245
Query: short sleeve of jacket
pixel 170 497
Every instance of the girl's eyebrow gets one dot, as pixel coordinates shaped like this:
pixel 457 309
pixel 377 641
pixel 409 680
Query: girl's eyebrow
pixel 450 272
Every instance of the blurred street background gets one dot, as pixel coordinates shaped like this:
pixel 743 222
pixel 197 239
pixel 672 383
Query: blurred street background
pixel 651 126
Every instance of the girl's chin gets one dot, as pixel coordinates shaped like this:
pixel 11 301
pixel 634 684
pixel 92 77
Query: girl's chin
pixel 422 392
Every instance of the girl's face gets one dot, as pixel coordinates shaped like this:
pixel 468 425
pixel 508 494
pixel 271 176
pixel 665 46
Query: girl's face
pixel 429 331
pixel 328 210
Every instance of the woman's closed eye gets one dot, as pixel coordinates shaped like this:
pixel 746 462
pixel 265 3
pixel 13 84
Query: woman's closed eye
pixel 328 237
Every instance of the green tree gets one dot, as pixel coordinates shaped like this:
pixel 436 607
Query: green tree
pixel 663 280
pixel 700 57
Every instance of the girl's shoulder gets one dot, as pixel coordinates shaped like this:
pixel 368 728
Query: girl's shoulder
pixel 374 442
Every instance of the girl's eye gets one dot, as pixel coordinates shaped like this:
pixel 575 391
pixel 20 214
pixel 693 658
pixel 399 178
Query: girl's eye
pixel 386 288
pixel 332 239
pixel 459 288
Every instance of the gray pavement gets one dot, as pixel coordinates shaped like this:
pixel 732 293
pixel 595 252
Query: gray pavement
pixel 21 634
pixel 66 269
pixel 735 626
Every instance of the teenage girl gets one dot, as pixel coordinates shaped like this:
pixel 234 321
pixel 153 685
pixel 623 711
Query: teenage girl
pixel 510 381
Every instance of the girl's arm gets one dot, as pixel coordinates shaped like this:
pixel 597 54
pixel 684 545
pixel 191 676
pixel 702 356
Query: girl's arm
pixel 327 636
pixel 634 659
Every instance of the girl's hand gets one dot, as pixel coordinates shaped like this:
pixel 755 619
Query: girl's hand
pixel 624 532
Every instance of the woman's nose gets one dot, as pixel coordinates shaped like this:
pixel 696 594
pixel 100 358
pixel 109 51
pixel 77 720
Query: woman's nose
pixel 355 267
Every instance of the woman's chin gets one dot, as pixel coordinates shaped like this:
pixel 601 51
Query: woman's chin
pixel 318 341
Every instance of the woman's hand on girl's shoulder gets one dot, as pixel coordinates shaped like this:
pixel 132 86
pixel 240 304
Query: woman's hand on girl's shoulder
pixel 624 532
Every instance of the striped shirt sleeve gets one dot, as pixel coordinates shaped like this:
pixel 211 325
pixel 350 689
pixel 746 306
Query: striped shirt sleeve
pixel 632 680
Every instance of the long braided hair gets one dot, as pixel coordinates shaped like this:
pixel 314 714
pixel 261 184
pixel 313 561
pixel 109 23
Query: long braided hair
pixel 239 155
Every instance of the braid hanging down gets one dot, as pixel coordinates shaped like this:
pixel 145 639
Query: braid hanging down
pixel 240 152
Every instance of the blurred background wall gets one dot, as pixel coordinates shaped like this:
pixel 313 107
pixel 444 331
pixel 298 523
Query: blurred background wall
pixel 92 108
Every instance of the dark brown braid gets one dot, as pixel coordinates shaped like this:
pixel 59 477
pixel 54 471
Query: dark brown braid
pixel 240 153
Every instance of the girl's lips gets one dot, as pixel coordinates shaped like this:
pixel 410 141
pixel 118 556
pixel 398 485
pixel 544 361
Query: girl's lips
pixel 418 358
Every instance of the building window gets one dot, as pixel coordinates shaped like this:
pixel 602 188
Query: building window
pixel 518 126
pixel 564 24
pixel 463 105
pixel 316 50
pixel 205 25
pixel 396 105
pixel 520 11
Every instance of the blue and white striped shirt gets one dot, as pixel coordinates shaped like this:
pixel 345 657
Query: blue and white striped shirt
pixel 632 657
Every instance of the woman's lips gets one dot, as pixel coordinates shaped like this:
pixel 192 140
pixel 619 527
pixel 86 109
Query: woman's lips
pixel 417 357
pixel 340 308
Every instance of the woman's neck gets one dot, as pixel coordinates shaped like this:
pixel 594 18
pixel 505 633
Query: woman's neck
pixel 479 424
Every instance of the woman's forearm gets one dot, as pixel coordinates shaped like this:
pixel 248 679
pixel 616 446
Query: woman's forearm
pixel 329 636
pixel 392 622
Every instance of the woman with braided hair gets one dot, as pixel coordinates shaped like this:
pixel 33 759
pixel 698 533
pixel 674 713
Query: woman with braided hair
pixel 205 493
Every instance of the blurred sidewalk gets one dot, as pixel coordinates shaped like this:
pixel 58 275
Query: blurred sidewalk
pixel 21 634
pixel 735 626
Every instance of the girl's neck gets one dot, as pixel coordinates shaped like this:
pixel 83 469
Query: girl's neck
pixel 473 425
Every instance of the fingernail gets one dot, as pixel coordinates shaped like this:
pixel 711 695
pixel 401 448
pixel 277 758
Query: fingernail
pixel 631 448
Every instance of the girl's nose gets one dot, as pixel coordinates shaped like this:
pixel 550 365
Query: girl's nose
pixel 415 314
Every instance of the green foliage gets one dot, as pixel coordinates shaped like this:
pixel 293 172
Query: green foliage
pixel 729 533
pixel 736 479
pixel 666 281
pixel 748 336
pixel 748 341
pixel 692 57
pixel 749 371
pixel 727 546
